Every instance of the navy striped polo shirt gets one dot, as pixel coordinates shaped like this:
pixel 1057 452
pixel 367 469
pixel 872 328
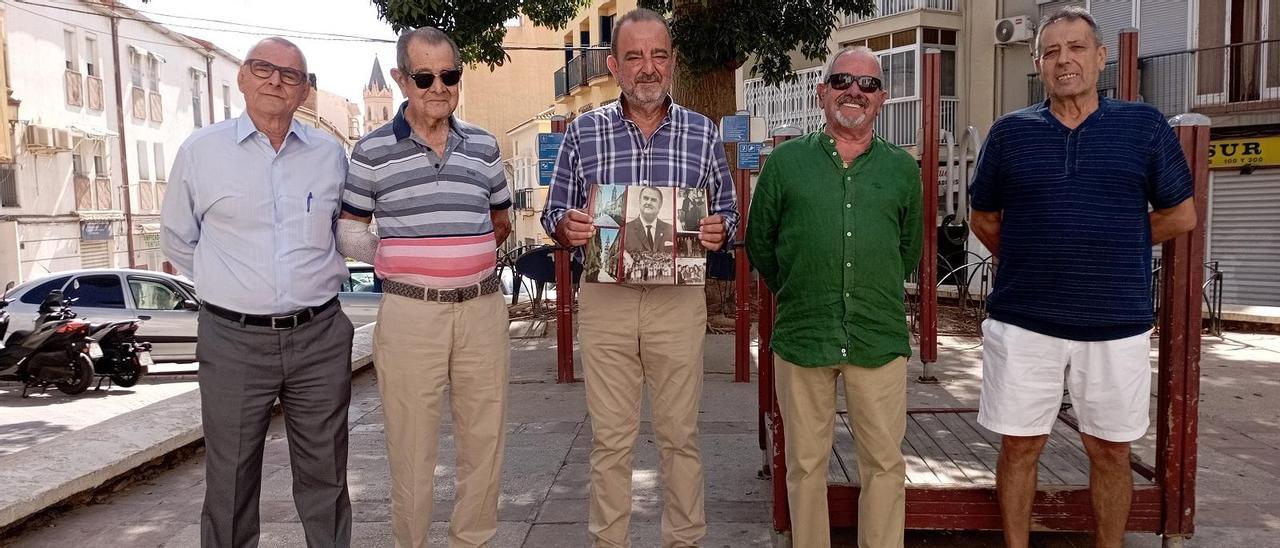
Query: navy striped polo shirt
pixel 1075 238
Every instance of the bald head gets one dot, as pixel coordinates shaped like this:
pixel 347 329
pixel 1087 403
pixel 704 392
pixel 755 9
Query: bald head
pixel 862 52
pixel 278 45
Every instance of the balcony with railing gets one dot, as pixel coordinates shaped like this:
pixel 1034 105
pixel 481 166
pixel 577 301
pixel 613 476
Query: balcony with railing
pixel 1214 80
pixel 899 120
pixel 886 8
pixel 580 70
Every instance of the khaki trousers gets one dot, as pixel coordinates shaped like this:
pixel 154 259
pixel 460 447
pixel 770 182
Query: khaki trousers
pixel 633 338
pixel 877 404
pixel 419 347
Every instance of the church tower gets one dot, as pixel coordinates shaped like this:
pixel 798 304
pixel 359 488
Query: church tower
pixel 378 108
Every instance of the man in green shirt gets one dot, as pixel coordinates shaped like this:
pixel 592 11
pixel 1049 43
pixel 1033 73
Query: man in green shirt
pixel 835 227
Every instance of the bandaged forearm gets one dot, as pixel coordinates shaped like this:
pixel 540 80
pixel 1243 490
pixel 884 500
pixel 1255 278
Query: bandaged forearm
pixel 355 240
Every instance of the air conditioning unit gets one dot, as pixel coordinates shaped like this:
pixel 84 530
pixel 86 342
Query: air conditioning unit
pixel 38 138
pixel 62 139
pixel 1014 29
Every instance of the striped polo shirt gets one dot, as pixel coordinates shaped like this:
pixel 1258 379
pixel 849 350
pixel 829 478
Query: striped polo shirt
pixel 1075 238
pixel 431 207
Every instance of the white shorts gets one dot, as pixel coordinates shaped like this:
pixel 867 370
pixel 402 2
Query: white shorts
pixel 1023 372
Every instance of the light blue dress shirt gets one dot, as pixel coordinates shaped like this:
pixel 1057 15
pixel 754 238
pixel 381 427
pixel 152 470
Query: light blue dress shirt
pixel 253 227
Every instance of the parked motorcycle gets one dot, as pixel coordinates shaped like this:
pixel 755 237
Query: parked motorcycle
pixel 124 359
pixel 58 351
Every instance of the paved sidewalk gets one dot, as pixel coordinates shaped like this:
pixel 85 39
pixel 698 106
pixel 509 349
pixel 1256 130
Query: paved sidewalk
pixel 544 490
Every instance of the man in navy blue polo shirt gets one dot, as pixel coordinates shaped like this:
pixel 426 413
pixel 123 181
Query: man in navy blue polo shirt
pixel 1060 197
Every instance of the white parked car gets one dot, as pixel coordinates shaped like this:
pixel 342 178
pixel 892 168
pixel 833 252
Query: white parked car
pixel 167 304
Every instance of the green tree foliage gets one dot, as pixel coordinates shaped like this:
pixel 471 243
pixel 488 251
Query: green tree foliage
pixel 709 35
pixel 713 35
pixel 476 25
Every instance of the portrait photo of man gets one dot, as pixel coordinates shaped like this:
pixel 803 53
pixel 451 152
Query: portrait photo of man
pixel 646 229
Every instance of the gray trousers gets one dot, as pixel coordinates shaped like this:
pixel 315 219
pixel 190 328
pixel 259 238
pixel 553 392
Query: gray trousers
pixel 243 370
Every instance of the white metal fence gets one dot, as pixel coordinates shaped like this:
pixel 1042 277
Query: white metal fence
pixel 789 103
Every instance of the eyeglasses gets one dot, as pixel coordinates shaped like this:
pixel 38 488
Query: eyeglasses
pixel 263 69
pixel 841 81
pixel 424 80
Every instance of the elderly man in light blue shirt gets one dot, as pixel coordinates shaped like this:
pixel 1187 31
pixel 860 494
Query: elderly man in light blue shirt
pixel 250 218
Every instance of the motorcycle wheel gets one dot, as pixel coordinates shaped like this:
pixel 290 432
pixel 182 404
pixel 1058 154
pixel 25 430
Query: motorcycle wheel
pixel 129 375
pixel 81 376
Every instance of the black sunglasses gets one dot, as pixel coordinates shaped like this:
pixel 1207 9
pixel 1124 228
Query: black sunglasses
pixel 263 69
pixel 842 80
pixel 424 80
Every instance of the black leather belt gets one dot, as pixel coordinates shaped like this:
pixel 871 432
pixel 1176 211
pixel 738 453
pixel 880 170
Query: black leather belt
pixel 281 322
pixel 486 286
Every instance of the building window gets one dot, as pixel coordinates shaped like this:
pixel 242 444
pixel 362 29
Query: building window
pixel 153 74
pixel 79 167
pixel 899 69
pixel 101 165
pixel 195 98
pixel 144 166
pixel 226 102
pixel 135 67
pixel 8 186
pixel 69 44
pixel 91 55
pixel 161 170
pixel 606 29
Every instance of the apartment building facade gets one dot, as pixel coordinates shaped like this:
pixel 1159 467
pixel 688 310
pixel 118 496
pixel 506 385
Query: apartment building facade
pixel 91 164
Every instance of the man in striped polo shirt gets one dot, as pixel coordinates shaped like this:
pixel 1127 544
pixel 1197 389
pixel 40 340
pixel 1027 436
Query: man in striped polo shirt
pixel 1060 196
pixel 635 336
pixel 439 193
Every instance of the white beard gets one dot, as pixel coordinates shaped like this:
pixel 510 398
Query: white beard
pixel 850 123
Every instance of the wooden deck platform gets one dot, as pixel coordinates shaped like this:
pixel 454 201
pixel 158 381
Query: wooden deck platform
pixel 951 464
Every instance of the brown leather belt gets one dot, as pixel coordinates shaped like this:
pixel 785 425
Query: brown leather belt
pixel 486 286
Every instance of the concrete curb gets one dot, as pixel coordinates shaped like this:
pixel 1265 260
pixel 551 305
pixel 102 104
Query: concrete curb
pixel 81 461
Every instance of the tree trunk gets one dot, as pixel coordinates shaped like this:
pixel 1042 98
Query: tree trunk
pixel 713 95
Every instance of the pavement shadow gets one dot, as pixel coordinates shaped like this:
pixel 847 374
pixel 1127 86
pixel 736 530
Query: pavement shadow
pixel 27 433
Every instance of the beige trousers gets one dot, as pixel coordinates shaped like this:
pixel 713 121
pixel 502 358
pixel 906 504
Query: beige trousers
pixel 633 338
pixel 877 404
pixel 419 347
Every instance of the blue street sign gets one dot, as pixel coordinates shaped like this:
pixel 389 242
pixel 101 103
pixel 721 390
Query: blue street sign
pixel 549 145
pixel 735 129
pixel 749 155
pixel 545 169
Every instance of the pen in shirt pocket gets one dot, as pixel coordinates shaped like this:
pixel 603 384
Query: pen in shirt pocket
pixel 308 202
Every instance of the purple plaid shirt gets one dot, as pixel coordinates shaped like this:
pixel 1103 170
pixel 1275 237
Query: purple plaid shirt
pixel 603 147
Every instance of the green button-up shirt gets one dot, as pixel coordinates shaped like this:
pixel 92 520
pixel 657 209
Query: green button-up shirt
pixel 834 244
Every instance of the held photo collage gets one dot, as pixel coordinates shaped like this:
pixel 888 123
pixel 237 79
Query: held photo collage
pixel 646 235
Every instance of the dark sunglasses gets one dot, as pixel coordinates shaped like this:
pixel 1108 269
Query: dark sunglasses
pixel 842 80
pixel 263 69
pixel 424 80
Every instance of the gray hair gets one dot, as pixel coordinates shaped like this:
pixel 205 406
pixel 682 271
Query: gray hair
pixel 636 16
pixel 432 36
pixel 1067 14
pixel 852 50
pixel 280 42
